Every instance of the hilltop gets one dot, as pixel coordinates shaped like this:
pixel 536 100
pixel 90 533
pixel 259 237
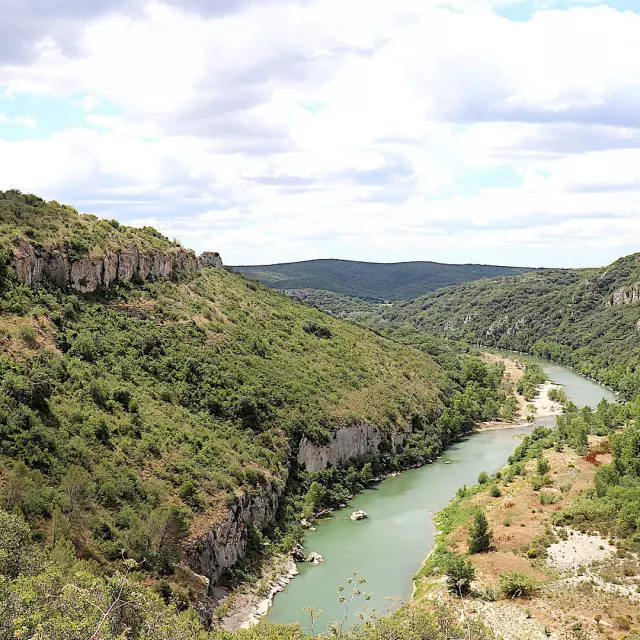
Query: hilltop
pixel 372 281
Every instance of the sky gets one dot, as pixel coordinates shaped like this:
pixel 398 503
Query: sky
pixel 489 131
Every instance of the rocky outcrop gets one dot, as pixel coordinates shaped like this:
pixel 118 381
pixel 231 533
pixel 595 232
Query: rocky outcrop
pixel 90 273
pixel 210 259
pixel 349 443
pixel 222 547
pixel 626 295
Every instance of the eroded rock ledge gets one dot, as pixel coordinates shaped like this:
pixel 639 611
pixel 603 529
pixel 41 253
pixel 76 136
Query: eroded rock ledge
pixel 90 273
pixel 349 443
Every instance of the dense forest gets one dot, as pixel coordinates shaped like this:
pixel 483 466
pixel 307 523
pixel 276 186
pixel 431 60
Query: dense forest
pixel 585 318
pixel 376 282
pixel 134 418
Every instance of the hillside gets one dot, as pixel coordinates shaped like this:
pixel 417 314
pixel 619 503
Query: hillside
pixel 369 280
pixel 158 423
pixel 588 318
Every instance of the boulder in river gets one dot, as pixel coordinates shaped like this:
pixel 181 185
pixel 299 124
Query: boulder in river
pixel 315 558
pixel 359 515
pixel 297 553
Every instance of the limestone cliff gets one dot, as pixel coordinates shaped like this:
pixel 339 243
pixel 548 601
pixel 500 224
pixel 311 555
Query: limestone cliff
pixel 626 295
pixel 349 443
pixel 222 547
pixel 90 273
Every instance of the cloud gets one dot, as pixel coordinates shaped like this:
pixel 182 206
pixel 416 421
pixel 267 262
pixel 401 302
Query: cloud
pixel 281 129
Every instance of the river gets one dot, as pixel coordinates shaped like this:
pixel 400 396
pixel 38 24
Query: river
pixel 389 547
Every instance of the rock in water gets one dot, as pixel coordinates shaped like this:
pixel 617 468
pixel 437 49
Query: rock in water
pixel 315 558
pixel 297 553
pixel 358 515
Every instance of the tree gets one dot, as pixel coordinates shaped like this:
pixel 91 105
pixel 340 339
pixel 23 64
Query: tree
pixel 18 484
pixel 542 466
pixel 460 573
pixel 480 537
pixel 167 528
pixel 16 549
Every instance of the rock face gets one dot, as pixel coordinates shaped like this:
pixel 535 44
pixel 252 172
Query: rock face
pixel 221 548
pixel 626 295
pixel 352 442
pixel 90 273
pixel 210 259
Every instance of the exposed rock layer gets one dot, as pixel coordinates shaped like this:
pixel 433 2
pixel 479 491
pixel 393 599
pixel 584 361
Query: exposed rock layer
pixel 626 295
pixel 221 548
pixel 350 443
pixel 90 273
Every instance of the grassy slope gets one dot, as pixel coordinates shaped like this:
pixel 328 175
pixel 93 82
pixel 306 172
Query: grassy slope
pixel 44 224
pixel 371 281
pixel 566 316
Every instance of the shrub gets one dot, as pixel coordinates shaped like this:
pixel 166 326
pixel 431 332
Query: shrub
pixel 480 537
pixel 483 478
pixel 28 334
pixel 318 330
pixel 460 573
pixel 542 466
pixel 517 584
pixel 495 491
pixel 546 497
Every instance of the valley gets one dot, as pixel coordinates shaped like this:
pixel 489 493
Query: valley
pixel 171 431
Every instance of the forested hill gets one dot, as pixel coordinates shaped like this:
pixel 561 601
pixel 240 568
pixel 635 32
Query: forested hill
pixel 154 424
pixel 588 318
pixel 373 281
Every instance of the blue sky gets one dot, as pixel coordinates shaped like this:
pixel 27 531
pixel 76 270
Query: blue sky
pixel 494 131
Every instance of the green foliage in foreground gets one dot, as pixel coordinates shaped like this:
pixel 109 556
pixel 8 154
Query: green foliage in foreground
pixel 54 597
pixel 369 280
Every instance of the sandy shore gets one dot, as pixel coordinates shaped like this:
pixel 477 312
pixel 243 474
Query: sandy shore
pixel 543 405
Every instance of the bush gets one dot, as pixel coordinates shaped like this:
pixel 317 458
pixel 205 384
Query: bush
pixel 542 466
pixel 480 537
pixel 483 478
pixel 460 573
pixel 546 497
pixel 517 584
pixel 28 334
pixel 495 491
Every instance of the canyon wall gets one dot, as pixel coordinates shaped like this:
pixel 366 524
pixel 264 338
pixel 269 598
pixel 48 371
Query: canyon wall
pixel 352 442
pixel 90 273
pixel 222 547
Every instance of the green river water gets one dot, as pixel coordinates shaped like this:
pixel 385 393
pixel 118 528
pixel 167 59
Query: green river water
pixel 389 547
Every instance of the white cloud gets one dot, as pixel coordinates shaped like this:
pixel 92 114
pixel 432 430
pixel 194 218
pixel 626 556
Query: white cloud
pixel 305 129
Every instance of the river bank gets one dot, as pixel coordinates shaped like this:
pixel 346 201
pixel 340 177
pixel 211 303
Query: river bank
pixel 542 406
pixel 401 510
pixel 582 586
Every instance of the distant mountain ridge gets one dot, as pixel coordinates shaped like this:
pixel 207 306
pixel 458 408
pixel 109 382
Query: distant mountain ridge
pixel 374 281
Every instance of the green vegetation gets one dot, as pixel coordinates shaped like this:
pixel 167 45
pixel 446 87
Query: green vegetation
pixel 133 419
pixel 480 536
pixel 25 217
pixel 517 584
pixel 533 377
pixel 372 281
pixel 460 573
pixel 582 318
